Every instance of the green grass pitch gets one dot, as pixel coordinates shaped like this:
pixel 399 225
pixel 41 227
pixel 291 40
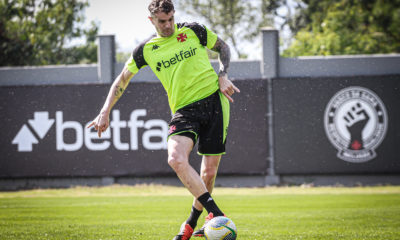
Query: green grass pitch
pixel 156 212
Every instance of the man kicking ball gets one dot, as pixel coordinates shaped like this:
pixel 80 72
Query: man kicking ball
pixel 198 98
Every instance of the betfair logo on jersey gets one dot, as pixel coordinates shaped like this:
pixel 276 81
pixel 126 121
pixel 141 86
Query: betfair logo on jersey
pixel 182 55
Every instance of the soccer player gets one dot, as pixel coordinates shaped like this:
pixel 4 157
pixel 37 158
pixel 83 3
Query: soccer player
pixel 198 98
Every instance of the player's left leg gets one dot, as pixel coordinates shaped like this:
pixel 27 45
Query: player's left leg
pixel 212 147
pixel 208 173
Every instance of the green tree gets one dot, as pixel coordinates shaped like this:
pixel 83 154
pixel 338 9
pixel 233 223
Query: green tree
pixel 35 32
pixel 329 27
pixel 236 21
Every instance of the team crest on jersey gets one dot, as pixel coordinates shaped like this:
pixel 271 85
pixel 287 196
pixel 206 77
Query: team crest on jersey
pixel 181 37
pixel 355 122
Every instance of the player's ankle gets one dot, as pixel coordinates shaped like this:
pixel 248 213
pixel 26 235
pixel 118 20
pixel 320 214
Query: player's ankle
pixel 208 203
pixel 219 214
pixel 194 216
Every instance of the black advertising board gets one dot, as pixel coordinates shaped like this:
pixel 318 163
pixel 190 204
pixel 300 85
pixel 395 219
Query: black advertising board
pixel 44 132
pixel 341 125
pixel 337 125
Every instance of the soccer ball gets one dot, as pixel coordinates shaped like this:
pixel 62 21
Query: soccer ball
pixel 220 228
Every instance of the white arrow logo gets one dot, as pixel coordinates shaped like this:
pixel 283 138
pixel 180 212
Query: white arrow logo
pixel 25 139
pixel 41 123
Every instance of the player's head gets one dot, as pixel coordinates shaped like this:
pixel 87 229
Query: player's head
pixel 162 16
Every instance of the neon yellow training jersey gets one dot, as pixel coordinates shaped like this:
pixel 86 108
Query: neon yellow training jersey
pixel 180 62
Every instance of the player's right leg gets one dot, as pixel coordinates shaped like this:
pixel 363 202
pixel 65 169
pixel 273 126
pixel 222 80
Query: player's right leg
pixel 179 148
pixel 184 129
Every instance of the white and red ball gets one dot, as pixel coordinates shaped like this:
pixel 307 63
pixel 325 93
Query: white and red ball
pixel 220 228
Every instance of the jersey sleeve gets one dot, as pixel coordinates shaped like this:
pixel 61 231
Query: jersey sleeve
pixel 211 38
pixel 136 61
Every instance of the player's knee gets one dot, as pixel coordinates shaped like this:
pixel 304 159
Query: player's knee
pixel 177 161
pixel 208 174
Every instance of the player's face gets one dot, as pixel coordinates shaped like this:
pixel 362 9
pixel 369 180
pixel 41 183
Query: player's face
pixel 164 23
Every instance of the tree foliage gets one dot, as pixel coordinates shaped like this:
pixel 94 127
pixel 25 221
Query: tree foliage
pixel 35 32
pixel 331 27
pixel 236 21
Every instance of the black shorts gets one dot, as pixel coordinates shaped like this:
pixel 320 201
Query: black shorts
pixel 206 120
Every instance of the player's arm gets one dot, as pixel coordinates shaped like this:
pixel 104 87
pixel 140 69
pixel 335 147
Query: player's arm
pixel 225 85
pixel 101 122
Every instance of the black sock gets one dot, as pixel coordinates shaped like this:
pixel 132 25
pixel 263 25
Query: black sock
pixel 194 216
pixel 208 203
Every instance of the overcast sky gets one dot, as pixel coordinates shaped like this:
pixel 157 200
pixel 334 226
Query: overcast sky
pixel 127 20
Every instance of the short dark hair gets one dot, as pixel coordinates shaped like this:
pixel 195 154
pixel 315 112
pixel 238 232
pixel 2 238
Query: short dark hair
pixel 164 6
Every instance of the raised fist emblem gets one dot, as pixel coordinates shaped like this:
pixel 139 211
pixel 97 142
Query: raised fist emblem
pixel 355 123
pixel 356 120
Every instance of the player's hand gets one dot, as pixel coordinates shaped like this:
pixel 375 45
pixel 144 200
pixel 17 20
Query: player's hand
pixel 227 87
pixel 100 123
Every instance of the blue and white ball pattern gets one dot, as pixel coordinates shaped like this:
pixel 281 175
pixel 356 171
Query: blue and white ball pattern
pixel 220 228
